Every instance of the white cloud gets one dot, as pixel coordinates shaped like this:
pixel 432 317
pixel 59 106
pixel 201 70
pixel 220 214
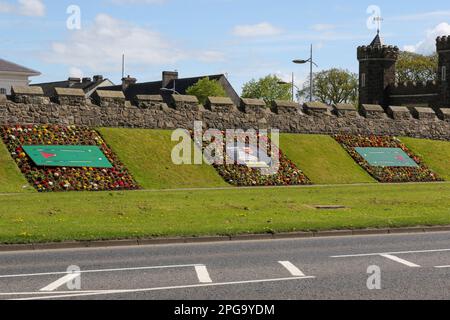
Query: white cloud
pixel 211 56
pixel 75 72
pixel 323 27
pixel 30 8
pixel 256 30
pixel 428 45
pixel 101 45
pixel 422 16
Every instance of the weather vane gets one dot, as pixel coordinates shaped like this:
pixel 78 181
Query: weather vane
pixel 378 20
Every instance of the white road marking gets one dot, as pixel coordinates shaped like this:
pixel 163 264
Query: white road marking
pixel 58 283
pixel 97 270
pixel 442 267
pixel 392 253
pixel 296 272
pixel 400 260
pixel 109 292
pixel 202 274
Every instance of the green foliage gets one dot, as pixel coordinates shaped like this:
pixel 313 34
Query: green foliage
pixel 205 88
pixel 268 89
pixel 333 86
pixel 416 67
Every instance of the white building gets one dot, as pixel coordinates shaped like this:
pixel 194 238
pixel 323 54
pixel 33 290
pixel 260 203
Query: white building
pixel 12 74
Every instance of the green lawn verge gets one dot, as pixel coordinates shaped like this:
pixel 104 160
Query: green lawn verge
pixel 435 154
pixel 11 179
pixel 147 154
pixel 322 159
pixel 117 215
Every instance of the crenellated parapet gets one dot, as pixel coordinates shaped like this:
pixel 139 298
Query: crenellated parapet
pixel 110 109
pixel 29 95
pixel 378 52
pixel 443 43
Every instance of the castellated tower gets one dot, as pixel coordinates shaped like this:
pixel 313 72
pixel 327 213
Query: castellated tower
pixel 376 71
pixel 443 50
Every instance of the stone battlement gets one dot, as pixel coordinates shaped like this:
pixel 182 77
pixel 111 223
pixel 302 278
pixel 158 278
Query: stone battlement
pixel 382 52
pixel 110 109
pixel 443 43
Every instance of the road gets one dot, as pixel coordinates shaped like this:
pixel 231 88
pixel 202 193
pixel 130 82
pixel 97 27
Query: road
pixel 410 266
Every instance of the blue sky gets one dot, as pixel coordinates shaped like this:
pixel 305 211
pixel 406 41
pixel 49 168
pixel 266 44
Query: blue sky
pixel 245 39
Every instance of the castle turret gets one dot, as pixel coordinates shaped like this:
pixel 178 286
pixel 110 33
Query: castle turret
pixel 376 71
pixel 443 50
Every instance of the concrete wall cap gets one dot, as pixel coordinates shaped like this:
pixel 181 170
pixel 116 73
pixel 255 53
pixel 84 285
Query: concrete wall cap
pixel 184 98
pixel 149 97
pixel 316 105
pixel 423 110
pixel 285 103
pixel 344 107
pixel 398 109
pixel 253 102
pixel 220 100
pixel 69 92
pixel 110 94
pixel 373 107
pixel 27 90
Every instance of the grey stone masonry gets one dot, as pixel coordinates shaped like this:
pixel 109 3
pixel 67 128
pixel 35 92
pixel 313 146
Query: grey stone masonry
pixel 106 98
pixel 345 110
pixel 444 114
pixel 155 102
pixel 316 108
pixel 423 113
pixel 113 111
pixel 70 96
pixel 398 112
pixel 220 104
pixel 285 107
pixel 3 100
pixel 373 111
pixel 253 106
pixel 184 103
pixel 29 95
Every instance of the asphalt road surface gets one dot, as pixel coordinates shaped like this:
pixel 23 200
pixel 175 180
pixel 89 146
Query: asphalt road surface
pixel 409 266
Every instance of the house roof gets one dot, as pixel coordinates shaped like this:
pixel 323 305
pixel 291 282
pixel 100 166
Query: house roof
pixel 7 66
pixel 150 88
pixel 86 86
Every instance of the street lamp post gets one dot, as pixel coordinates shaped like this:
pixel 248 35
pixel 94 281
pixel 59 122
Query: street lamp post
pixel 311 63
pixel 291 84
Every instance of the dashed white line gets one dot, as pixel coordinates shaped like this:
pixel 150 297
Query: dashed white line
pixel 97 270
pixel 400 260
pixel 58 283
pixel 203 274
pixel 442 267
pixel 296 272
pixel 109 292
pixel 393 253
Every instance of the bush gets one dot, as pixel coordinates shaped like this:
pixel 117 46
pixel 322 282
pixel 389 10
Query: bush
pixel 205 88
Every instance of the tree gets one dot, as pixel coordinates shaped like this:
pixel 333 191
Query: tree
pixel 416 67
pixel 333 86
pixel 268 89
pixel 205 88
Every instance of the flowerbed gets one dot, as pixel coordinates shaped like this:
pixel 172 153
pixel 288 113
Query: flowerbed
pixel 238 174
pixel 386 174
pixel 46 179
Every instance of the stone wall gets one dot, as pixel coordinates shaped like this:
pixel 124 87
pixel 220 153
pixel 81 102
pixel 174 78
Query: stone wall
pixel 111 110
pixel 413 94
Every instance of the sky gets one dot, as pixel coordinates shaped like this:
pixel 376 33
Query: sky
pixel 244 39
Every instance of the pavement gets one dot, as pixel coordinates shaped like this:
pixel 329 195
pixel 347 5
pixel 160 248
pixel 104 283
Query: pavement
pixel 401 266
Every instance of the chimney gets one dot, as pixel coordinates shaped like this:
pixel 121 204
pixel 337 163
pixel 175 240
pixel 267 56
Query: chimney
pixel 168 76
pixel 98 78
pixel 73 80
pixel 86 80
pixel 126 82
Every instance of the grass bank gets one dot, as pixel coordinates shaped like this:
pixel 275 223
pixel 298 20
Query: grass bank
pixel 108 215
